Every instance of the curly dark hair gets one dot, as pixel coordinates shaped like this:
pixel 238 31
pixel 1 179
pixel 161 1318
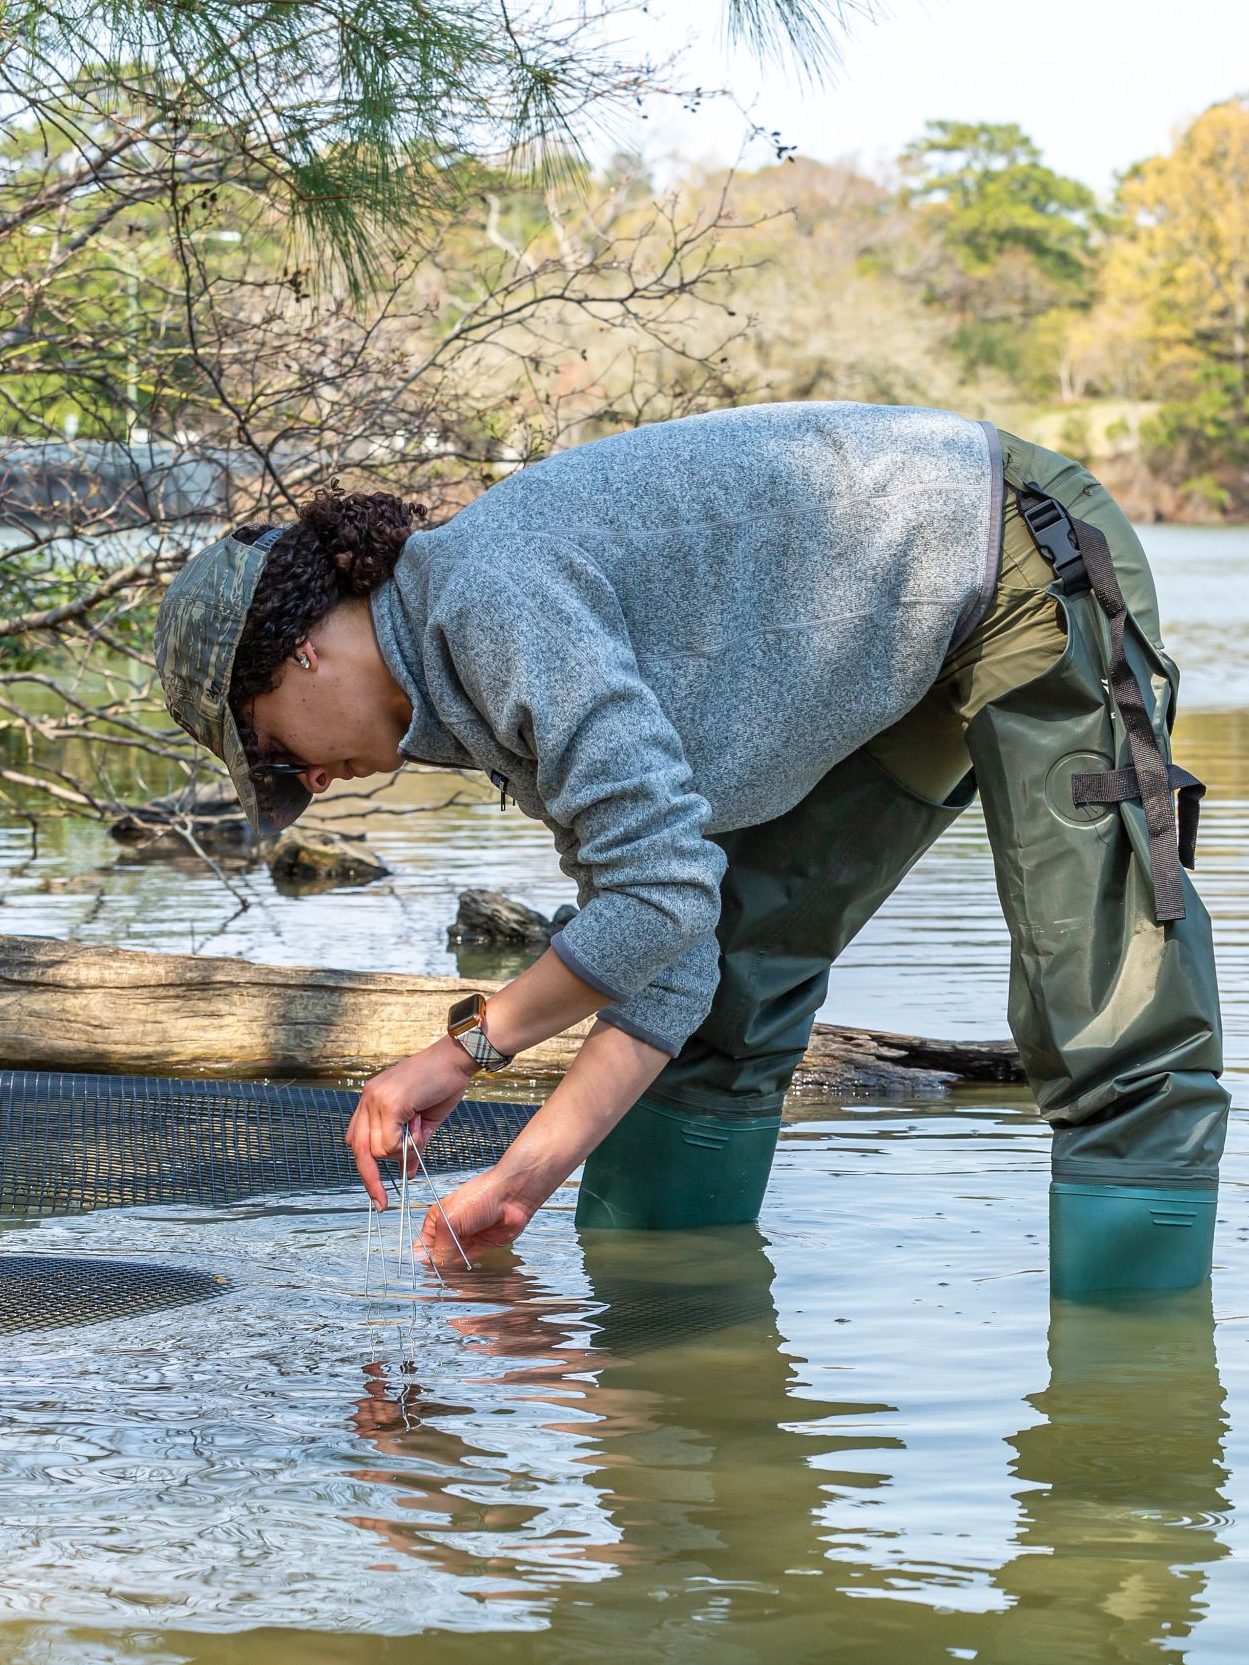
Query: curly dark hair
pixel 343 544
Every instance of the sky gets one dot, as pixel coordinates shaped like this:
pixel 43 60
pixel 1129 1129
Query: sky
pixel 1098 84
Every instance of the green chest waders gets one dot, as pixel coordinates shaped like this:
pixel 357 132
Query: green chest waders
pixel 1113 1001
pixel 697 1150
pixel 1115 1010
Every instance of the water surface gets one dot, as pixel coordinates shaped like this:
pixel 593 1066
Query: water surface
pixel 855 1432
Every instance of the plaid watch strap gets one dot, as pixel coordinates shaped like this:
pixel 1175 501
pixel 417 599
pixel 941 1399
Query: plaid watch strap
pixel 484 1054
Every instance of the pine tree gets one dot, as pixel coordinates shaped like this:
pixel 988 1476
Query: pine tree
pixel 363 115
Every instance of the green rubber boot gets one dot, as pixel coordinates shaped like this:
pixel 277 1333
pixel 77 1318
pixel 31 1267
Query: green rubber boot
pixel 1116 1015
pixel 1116 1237
pixel 660 1169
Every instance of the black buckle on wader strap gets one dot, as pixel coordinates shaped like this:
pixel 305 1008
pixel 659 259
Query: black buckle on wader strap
pixel 1081 558
pixel 1116 786
pixel 1053 532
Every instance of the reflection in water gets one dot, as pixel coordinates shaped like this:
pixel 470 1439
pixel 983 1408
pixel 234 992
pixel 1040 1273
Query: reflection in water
pixel 1124 1481
pixel 711 1473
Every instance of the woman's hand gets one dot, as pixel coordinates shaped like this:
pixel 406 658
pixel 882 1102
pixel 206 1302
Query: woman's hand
pixel 420 1091
pixel 486 1211
pixel 608 1074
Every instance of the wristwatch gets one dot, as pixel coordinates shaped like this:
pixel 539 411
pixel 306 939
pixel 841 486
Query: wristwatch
pixel 466 1023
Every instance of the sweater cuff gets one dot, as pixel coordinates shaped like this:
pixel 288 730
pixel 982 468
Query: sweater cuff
pixel 618 1020
pixel 578 967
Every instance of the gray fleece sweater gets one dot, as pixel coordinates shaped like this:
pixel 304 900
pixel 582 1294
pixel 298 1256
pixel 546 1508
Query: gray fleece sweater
pixel 678 630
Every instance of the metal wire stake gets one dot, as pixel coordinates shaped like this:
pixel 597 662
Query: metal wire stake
pixel 438 1201
pixel 407 1209
pixel 375 1221
pixel 404 1215
pixel 412 1239
pixel 377 1218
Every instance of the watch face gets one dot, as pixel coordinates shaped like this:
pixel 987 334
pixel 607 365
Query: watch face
pixel 465 1013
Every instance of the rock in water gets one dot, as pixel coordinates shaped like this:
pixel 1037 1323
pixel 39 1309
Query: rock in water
pixel 488 916
pixel 308 858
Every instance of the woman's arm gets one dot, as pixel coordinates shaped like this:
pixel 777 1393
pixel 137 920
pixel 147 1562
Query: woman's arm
pixel 610 1072
pixel 423 1090
pixel 544 1000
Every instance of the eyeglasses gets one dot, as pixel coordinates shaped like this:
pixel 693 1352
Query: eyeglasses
pixel 268 768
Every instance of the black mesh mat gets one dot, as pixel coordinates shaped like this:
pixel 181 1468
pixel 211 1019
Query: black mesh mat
pixel 69 1143
pixel 44 1292
pixel 639 1317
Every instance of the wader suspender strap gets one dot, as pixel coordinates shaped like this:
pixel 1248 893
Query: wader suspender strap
pixel 1080 556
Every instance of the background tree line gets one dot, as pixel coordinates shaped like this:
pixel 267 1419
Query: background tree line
pixel 209 304
pixel 980 279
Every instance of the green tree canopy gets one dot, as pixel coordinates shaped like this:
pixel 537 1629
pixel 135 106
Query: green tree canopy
pixel 1180 269
pixel 988 193
pixel 1005 244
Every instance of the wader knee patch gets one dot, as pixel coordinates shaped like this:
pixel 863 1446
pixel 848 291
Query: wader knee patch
pixel 1059 794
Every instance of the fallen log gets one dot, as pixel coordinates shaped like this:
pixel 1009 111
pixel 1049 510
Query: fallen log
pixel 73 1006
pixel 206 810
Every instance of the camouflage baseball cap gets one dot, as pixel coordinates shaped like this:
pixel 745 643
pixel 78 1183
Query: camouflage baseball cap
pixel 197 634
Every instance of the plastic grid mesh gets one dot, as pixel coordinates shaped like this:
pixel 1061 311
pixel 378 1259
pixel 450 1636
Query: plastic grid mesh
pixel 71 1143
pixel 640 1316
pixel 44 1292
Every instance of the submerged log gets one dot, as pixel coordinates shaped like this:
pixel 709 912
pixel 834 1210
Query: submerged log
pixel 73 1006
pixel 208 810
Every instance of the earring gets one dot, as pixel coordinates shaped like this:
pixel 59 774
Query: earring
pixel 304 661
